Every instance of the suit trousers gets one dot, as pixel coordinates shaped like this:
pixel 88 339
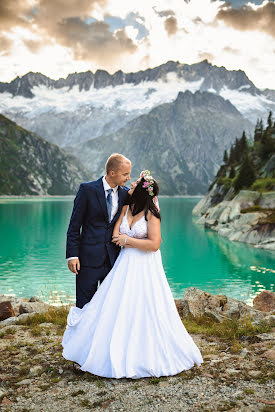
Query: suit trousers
pixel 87 281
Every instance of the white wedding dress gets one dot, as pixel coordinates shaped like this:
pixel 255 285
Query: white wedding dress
pixel 131 327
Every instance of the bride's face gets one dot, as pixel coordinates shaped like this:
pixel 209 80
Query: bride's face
pixel 133 186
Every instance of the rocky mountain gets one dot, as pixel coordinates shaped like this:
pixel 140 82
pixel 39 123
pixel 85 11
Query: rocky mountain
pixel 213 77
pixel 181 143
pixel 86 105
pixel 269 93
pixel 29 165
pixel 240 202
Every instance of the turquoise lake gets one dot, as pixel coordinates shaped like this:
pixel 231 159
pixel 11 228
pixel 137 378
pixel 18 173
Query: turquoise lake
pixel 33 240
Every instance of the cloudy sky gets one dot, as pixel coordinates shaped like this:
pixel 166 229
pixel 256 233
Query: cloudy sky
pixel 58 37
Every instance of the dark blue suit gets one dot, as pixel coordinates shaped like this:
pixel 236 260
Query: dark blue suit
pixel 93 246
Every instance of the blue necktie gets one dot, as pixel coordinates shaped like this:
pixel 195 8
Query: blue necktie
pixel 109 203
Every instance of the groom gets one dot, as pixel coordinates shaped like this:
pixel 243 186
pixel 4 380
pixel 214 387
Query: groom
pixel 97 206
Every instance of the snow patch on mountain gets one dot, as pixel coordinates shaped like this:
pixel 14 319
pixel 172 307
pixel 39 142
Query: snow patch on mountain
pixel 141 97
pixel 251 106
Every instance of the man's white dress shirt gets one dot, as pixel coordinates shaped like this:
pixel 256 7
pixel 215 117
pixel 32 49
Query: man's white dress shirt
pixel 106 187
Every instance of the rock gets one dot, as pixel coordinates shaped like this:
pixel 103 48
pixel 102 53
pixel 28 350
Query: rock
pixel 267 402
pixel 35 299
pixel 270 319
pixel 24 382
pixel 6 401
pixel 238 393
pixel 266 336
pixel 2 392
pixel 182 307
pixel 214 213
pixel 231 371
pixel 254 373
pixel 211 356
pixel 14 319
pixel 34 371
pixel 9 321
pixel 197 303
pixel 46 325
pixel 265 301
pixel 218 212
pixel 267 199
pixel 6 310
pixel 269 354
pixel 211 222
pixel 244 352
pixel 29 307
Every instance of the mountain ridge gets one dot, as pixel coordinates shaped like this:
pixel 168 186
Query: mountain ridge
pixel 214 76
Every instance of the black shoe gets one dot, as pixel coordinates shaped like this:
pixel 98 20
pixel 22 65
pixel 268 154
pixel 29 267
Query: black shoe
pixel 76 369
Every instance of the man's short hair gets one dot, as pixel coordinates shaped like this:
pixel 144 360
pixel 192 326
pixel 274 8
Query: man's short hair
pixel 115 161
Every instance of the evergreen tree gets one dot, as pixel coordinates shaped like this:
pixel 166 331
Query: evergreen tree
pixel 269 120
pixel 267 146
pixel 232 172
pixel 232 157
pixel 258 131
pixel 246 175
pixel 225 157
pixel 243 144
pixel 261 126
pixel 238 153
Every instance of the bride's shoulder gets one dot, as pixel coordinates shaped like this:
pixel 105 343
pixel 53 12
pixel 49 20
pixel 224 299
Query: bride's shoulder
pixel 151 217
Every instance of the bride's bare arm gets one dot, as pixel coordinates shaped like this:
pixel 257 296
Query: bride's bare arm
pixel 153 240
pixel 118 222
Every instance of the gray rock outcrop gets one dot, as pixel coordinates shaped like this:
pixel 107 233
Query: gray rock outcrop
pixel 227 219
pixel 197 302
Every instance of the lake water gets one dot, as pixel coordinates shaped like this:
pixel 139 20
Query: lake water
pixel 32 253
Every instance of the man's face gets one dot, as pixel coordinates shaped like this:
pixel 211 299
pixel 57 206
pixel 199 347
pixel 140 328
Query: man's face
pixel 122 175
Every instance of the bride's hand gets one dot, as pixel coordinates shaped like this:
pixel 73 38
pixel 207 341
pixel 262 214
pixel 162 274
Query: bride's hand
pixel 120 240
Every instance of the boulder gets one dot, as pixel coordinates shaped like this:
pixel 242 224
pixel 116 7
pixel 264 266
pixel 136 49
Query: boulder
pixel 15 302
pixel 28 307
pixel 269 354
pixel 267 200
pixel 12 320
pixel 203 205
pixel 198 303
pixel 265 301
pixel 243 200
pixel 6 310
pixel 214 213
pixel 35 299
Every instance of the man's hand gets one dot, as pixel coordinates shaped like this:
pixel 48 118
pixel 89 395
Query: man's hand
pixel 74 265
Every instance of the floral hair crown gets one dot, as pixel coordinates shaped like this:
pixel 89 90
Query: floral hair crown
pixel 148 185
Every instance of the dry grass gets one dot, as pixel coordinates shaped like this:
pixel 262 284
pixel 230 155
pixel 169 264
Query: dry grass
pixel 229 330
pixel 55 315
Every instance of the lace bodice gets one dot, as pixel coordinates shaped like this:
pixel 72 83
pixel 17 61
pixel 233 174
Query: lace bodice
pixel 138 230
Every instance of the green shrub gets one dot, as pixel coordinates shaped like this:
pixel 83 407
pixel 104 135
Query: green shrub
pixel 264 185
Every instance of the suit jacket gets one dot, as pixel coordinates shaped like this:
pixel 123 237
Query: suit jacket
pixel 90 213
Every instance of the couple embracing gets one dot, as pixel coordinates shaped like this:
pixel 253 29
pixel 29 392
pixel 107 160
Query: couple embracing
pixel 128 326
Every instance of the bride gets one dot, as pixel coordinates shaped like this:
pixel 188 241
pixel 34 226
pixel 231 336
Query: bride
pixel 131 327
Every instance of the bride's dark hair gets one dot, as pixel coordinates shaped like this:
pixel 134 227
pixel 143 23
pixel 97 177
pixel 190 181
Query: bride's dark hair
pixel 141 200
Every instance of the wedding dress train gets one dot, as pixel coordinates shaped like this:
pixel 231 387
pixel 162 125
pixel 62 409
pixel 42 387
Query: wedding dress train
pixel 131 327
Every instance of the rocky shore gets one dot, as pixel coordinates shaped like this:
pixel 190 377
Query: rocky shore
pixel 249 217
pixel 237 342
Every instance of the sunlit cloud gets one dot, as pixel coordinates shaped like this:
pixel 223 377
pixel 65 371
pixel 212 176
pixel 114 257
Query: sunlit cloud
pixel 60 37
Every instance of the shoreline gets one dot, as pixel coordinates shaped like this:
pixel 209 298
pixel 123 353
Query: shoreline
pixel 72 196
